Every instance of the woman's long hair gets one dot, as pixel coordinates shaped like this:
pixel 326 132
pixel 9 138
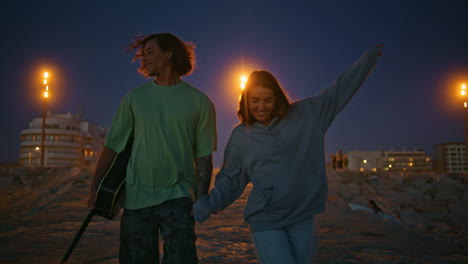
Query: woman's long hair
pixel 266 80
pixel 183 53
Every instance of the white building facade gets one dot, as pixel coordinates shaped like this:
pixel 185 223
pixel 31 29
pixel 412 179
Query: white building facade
pixel 69 141
pixel 450 157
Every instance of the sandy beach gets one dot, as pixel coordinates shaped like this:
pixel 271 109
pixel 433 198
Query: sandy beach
pixel 42 209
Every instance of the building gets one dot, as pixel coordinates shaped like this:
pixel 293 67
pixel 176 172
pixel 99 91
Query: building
pixel 415 160
pixel 365 160
pixel 69 141
pixel 450 157
pixel 389 160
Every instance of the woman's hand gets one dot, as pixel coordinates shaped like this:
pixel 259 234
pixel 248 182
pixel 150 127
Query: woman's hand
pixel 380 51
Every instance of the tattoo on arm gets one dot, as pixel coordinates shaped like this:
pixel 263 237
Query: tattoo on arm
pixel 204 171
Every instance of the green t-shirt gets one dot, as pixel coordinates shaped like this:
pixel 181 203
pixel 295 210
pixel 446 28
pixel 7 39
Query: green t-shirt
pixel 170 127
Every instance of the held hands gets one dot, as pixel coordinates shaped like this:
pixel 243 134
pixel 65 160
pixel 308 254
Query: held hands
pixel 379 46
pixel 200 214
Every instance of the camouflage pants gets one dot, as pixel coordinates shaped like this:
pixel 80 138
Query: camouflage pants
pixel 139 229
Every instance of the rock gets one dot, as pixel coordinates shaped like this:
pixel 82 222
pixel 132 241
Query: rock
pixel 410 218
pixel 465 196
pixel 433 211
pixel 4 172
pixel 447 194
pixel 456 220
pixel 458 208
pixel 352 177
pixel 411 192
pixel 347 191
pixel 397 198
pixel 6 181
pixel 367 190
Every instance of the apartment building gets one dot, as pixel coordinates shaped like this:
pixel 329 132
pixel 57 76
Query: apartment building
pixel 69 141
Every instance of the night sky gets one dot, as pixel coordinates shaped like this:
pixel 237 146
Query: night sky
pixel 409 101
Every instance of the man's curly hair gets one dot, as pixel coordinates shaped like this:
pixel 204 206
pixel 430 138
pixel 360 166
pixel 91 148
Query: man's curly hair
pixel 183 53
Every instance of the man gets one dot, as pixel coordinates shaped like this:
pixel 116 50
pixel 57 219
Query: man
pixel 172 127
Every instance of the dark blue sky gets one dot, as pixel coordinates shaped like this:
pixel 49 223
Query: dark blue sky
pixel 409 100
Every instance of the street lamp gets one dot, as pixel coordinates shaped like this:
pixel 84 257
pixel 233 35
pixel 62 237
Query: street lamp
pixel 45 84
pixel 243 82
pixel 463 92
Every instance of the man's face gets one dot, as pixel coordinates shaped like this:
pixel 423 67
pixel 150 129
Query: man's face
pixel 154 60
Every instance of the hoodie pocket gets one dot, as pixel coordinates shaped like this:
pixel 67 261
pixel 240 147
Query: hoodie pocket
pixel 258 201
pixel 294 192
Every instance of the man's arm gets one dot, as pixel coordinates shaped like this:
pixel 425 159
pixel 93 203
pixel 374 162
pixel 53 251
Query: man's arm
pixel 204 171
pixel 104 163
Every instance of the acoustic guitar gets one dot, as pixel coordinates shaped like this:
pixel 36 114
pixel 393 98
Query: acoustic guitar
pixel 109 195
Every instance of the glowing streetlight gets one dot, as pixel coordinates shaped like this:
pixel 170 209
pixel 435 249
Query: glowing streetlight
pixel 30 154
pixel 243 82
pixel 463 93
pixel 45 96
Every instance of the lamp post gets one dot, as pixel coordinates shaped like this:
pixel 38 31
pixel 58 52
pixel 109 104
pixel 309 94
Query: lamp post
pixel 44 113
pixel 463 92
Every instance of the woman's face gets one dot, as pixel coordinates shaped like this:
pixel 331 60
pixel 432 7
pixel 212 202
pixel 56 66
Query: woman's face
pixel 261 103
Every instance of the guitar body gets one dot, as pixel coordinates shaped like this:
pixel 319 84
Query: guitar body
pixel 111 190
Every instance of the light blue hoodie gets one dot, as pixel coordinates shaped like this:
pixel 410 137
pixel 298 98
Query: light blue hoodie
pixel 285 161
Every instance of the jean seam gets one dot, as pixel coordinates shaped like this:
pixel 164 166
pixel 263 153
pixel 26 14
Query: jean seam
pixel 260 256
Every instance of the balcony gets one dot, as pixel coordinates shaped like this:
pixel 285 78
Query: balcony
pixel 37 143
pixel 51 131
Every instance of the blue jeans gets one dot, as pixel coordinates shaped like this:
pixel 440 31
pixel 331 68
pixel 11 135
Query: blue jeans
pixel 139 243
pixel 293 244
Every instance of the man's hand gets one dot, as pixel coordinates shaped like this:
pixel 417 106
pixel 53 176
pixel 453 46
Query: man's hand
pixel 92 198
pixel 104 163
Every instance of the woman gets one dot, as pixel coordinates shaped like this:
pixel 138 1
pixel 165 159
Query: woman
pixel 279 147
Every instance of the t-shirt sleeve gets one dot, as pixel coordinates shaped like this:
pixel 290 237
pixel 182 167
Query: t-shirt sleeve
pixel 121 131
pixel 205 138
